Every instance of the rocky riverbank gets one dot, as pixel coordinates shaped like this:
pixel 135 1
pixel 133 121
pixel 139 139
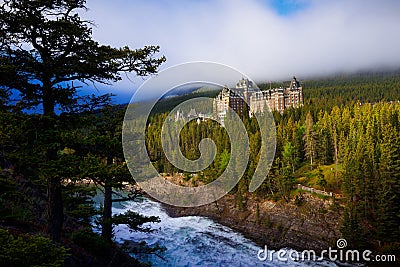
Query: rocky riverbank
pixel 307 222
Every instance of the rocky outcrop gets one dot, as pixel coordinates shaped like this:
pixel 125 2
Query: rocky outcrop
pixel 308 222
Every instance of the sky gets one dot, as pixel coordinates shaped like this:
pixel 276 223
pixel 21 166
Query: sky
pixel 265 39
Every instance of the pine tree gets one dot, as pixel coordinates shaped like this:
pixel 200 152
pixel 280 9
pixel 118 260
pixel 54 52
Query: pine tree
pixel 288 156
pixel 45 47
pixel 310 142
pixel 389 191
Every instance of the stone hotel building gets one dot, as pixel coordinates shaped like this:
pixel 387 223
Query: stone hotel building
pixel 290 95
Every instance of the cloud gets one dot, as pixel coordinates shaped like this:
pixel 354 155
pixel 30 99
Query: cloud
pixel 315 37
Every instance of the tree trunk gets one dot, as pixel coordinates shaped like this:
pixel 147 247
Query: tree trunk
pixel 106 230
pixel 55 211
pixel 54 208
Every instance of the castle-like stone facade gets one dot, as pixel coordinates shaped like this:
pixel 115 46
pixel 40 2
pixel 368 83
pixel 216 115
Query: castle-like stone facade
pixel 290 95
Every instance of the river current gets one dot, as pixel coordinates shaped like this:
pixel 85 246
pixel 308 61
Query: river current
pixel 196 241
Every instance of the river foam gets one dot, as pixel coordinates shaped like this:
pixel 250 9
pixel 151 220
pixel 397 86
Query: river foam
pixel 195 240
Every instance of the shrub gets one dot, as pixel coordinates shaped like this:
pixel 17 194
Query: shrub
pixel 92 242
pixel 33 251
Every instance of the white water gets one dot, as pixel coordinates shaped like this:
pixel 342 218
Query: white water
pixel 195 241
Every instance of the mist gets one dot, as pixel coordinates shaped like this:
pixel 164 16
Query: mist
pixel 319 38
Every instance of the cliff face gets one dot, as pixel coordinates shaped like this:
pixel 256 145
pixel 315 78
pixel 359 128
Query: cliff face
pixel 308 222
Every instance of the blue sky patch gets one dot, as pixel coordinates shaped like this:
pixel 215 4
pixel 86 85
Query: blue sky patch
pixel 288 7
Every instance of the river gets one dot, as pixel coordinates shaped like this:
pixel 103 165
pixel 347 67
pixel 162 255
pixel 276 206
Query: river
pixel 196 241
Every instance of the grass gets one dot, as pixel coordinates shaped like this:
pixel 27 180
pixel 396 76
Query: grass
pixel 311 178
pixel 298 192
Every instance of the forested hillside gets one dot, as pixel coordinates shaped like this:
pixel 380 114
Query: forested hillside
pixel 344 140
